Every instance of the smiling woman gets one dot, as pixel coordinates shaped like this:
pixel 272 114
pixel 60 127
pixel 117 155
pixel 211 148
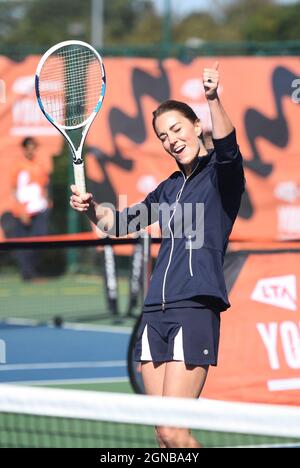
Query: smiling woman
pixel 178 337
pixel 179 129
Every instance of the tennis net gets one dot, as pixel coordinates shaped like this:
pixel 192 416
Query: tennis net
pixel 42 417
pixel 75 280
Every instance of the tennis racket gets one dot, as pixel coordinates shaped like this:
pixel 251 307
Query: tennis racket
pixel 70 86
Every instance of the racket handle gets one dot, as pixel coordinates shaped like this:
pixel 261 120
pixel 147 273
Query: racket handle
pixel 79 178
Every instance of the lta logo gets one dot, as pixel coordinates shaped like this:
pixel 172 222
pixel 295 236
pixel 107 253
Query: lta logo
pixel 2 352
pixel 280 291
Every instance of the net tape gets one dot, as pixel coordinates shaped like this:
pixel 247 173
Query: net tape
pixel 210 415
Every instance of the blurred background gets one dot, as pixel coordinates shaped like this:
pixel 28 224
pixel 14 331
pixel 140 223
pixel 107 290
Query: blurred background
pixel 151 27
pixel 153 50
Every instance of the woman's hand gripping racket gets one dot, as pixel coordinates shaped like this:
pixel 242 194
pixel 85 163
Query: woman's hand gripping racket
pixel 70 86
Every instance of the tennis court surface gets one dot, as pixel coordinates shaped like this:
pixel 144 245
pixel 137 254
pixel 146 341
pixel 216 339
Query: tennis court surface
pixel 91 357
pixel 75 353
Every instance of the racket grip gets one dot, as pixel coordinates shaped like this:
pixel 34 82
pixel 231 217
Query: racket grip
pixel 79 178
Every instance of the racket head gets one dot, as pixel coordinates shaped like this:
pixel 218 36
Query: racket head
pixel 70 84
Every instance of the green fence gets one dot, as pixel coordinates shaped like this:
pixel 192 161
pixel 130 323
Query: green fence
pixel 179 51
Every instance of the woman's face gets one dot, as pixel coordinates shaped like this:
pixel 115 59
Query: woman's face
pixel 179 136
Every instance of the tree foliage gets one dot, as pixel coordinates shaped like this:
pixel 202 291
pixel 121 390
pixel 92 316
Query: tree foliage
pixel 40 23
pixel 45 22
pixel 243 20
pixel 273 22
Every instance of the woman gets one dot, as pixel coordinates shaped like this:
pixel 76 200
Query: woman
pixel 179 332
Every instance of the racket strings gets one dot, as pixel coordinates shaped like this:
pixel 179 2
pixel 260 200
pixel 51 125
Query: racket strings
pixel 71 60
pixel 71 85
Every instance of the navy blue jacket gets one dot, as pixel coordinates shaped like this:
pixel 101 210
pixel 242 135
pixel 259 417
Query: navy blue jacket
pixel 189 267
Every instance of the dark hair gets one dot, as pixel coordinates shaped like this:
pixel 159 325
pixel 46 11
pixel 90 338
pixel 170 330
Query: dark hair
pixel 28 141
pixel 186 111
pixel 171 105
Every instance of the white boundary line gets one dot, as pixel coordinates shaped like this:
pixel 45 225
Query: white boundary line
pixel 20 322
pixel 62 365
pixel 70 326
pixel 104 328
pixel 2 352
pixel 68 381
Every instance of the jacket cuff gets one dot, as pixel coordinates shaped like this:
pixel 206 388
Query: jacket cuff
pixel 227 147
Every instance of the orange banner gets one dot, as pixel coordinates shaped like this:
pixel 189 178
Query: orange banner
pixel 125 158
pixel 21 117
pixel 259 357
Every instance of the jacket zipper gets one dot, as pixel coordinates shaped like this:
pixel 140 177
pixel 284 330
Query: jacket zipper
pixel 172 247
pixel 191 252
pixel 178 196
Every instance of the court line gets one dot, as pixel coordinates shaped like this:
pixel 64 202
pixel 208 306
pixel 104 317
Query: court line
pixel 68 381
pixel 104 328
pixel 19 322
pixel 62 365
pixel 2 352
pixel 70 326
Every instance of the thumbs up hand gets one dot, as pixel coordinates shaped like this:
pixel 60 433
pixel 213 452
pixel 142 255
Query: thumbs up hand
pixel 211 77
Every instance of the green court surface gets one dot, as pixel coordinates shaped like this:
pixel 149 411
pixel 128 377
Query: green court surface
pixel 73 297
pixel 114 387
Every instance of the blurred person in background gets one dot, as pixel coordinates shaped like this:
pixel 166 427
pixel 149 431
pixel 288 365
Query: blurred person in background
pixel 30 190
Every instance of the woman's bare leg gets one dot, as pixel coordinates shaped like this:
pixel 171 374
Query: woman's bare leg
pixel 182 381
pixel 153 377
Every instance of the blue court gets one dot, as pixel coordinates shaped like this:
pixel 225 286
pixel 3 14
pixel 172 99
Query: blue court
pixel 71 354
